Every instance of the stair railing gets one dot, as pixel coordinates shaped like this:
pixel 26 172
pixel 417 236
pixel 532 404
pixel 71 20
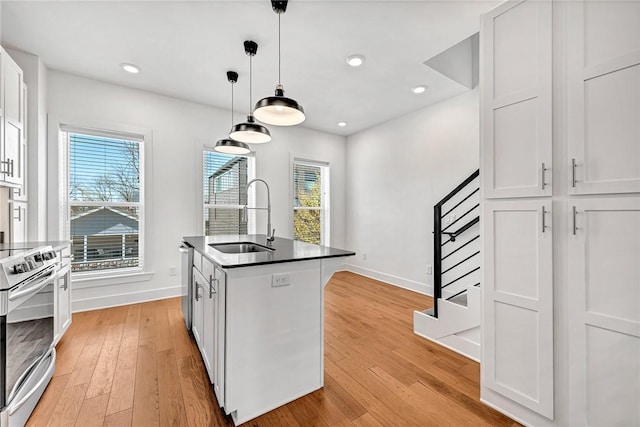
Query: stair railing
pixel 439 232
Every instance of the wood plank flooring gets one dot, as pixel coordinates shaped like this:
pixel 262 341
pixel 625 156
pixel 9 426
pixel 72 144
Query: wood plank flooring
pixel 136 366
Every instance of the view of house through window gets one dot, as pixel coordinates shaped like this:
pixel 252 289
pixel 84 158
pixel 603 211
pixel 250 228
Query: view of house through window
pixel 105 209
pixel 311 202
pixel 224 180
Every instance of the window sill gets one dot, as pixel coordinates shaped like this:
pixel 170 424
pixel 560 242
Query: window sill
pixel 92 280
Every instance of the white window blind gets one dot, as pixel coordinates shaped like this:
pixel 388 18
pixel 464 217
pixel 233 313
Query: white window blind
pixel 224 180
pixel 310 202
pixel 105 194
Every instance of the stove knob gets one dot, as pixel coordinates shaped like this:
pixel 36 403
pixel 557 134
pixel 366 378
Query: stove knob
pixel 26 267
pixel 17 269
pixel 37 257
pixel 46 256
pixel 31 263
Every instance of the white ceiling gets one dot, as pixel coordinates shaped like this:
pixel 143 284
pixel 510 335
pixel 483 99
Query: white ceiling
pixel 184 49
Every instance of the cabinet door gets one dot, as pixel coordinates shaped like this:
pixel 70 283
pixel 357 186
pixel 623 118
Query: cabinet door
pixel 19 223
pixel 516 100
pixel 197 321
pixel 209 327
pixel 604 273
pixel 517 348
pixel 219 383
pixel 604 97
pixel 63 304
pixel 13 126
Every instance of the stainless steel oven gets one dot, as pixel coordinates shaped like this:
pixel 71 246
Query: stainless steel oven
pixel 27 355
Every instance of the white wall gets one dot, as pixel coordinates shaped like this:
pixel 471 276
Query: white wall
pixel 35 77
pixel 179 130
pixel 396 172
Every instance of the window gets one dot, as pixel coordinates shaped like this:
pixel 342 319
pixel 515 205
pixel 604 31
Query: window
pixel 311 202
pixel 105 199
pixel 224 179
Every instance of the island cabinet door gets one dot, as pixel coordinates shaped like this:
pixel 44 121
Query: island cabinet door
pixel 516 100
pixel 210 327
pixel 517 322
pixel 220 281
pixel 197 322
pixel 604 273
pixel 604 97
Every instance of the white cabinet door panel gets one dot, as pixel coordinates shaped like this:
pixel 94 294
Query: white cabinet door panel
pixel 604 271
pixel 518 302
pixel 604 97
pixel 516 100
pixel 197 321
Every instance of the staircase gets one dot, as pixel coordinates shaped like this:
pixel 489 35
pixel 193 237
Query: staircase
pixel 454 319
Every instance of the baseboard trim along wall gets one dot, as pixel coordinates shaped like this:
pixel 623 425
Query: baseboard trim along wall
pixel 106 301
pixel 421 288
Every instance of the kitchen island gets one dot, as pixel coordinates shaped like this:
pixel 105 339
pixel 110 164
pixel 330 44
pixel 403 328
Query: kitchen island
pixel 258 318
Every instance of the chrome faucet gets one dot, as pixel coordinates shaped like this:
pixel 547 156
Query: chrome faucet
pixel 271 234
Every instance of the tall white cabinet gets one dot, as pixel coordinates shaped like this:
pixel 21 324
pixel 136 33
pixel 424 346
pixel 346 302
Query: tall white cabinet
pixel 560 105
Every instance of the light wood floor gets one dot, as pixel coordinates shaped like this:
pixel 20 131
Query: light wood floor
pixel 135 365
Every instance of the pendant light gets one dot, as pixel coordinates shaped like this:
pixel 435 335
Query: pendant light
pixel 228 145
pixel 279 110
pixel 250 131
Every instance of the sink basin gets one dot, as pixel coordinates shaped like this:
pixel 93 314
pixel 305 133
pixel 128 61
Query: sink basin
pixel 240 248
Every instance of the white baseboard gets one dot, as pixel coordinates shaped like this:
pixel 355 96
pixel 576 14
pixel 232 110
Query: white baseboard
pixel 400 282
pixel 107 301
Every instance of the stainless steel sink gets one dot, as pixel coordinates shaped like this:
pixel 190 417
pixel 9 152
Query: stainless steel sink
pixel 240 248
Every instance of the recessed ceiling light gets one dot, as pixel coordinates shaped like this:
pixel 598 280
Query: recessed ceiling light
pixel 355 60
pixel 130 68
pixel 419 89
pixel 342 124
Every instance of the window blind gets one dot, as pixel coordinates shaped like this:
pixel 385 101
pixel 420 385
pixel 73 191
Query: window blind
pixel 224 180
pixel 104 198
pixel 308 196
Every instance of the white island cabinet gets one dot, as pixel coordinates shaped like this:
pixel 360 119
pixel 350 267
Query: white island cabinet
pixel 258 321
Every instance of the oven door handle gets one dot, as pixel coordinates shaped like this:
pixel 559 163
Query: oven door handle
pixel 52 366
pixel 32 289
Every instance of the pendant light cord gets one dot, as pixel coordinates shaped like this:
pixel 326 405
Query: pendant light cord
pixel 279 60
pixel 231 104
pixel 250 84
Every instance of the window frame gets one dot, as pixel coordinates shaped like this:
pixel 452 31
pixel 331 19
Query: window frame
pixel 58 219
pixel 325 201
pixel 251 195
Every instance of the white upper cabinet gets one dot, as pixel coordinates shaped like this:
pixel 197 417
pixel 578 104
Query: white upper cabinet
pixel 517 320
pixel 604 97
pixel 604 271
pixel 12 94
pixel 516 100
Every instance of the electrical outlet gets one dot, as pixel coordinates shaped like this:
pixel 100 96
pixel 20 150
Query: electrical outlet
pixel 429 269
pixel 364 256
pixel 281 279
pixel 172 271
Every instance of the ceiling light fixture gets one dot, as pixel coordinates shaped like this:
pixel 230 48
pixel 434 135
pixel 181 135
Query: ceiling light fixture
pixel 342 124
pixel 279 110
pixel 250 131
pixel 419 89
pixel 355 60
pixel 228 145
pixel 130 68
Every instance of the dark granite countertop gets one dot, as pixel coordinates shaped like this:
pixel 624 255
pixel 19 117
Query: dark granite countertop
pixel 56 244
pixel 285 250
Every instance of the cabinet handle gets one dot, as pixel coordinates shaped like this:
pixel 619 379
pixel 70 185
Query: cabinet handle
pixel 64 285
pixel 19 209
pixel 573 173
pixel 198 287
pixel 573 214
pixel 544 170
pixel 211 290
pixel 12 170
pixel 544 223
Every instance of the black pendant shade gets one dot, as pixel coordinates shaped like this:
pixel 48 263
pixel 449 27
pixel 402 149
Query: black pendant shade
pixel 279 110
pixel 250 132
